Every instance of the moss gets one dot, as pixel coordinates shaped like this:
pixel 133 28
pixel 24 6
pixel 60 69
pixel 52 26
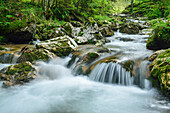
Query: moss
pixel 160 72
pixel 68 28
pixel 130 28
pixel 2 48
pixel 165 54
pixel 33 55
pixel 11 72
pixel 160 38
pixel 27 68
pixel 128 65
pixel 150 9
pixel 93 55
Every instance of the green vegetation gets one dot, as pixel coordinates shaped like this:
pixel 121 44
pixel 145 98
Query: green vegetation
pixel 150 8
pixel 160 38
pixel 160 72
pixel 17 14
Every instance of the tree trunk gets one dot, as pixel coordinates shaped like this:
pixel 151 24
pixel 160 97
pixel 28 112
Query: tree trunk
pixel 56 4
pixel 132 5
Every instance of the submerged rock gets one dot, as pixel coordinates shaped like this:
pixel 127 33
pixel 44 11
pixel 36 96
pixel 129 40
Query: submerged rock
pixel 160 72
pixel 18 74
pixel 81 66
pixel 91 56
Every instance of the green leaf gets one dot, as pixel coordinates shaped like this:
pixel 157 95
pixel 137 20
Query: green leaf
pixel 9 16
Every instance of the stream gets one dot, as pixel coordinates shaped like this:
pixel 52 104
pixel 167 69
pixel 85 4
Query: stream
pixel 57 90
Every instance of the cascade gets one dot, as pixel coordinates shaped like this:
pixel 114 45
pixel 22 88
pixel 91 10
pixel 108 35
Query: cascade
pixel 9 58
pixel 116 74
pixel 57 90
pixel 141 75
pixel 111 73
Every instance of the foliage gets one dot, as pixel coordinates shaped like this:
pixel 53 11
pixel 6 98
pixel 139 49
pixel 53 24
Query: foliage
pixel 101 17
pixel 159 22
pixel 2 48
pixel 160 72
pixel 150 8
pixel 14 16
pixel 160 38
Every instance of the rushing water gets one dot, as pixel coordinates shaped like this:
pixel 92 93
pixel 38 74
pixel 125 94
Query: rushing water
pixel 111 73
pixel 57 90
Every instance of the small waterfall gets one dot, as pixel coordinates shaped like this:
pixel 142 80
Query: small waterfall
pixel 6 58
pixel 111 73
pixel 9 58
pixel 141 75
pixel 115 73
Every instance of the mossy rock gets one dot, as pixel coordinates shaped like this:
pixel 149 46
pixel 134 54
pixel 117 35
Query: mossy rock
pixel 106 31
pixel 160 39
pixel 130 28
pixel 76 23
pixel 60 46
pixel 128 65
pixel 68 28
pixel 36 54
pixel 160 72
pixel 91 20
pixel 18 74
pixel 91 56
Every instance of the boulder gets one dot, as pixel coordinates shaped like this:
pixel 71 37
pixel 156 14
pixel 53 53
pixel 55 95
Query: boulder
pixel 89 34
pixel 68 28
pixel 155 54
pixel 20 37
pixel 160 72
pixel 91 56
pixel 115 26
pixel 100 43
pixel 49 34
pixel 35 54
pixel 18 74
pixel 106 31
pixel 130 28
pixel 160 39
pixel 89 38
pixel 44 33
pixel 60 46
pixel 20 33
pixel 76 24
pixel 81 67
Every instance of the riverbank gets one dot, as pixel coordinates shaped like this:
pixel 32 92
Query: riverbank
pixel 60 60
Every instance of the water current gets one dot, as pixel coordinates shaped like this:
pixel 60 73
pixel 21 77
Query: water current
pixel 57 90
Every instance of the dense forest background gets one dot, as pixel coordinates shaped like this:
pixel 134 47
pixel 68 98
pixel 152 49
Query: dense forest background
pixel 15 14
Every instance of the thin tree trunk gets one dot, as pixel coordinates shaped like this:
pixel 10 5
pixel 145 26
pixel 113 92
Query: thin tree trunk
pixel 56 3
pixel 132 5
